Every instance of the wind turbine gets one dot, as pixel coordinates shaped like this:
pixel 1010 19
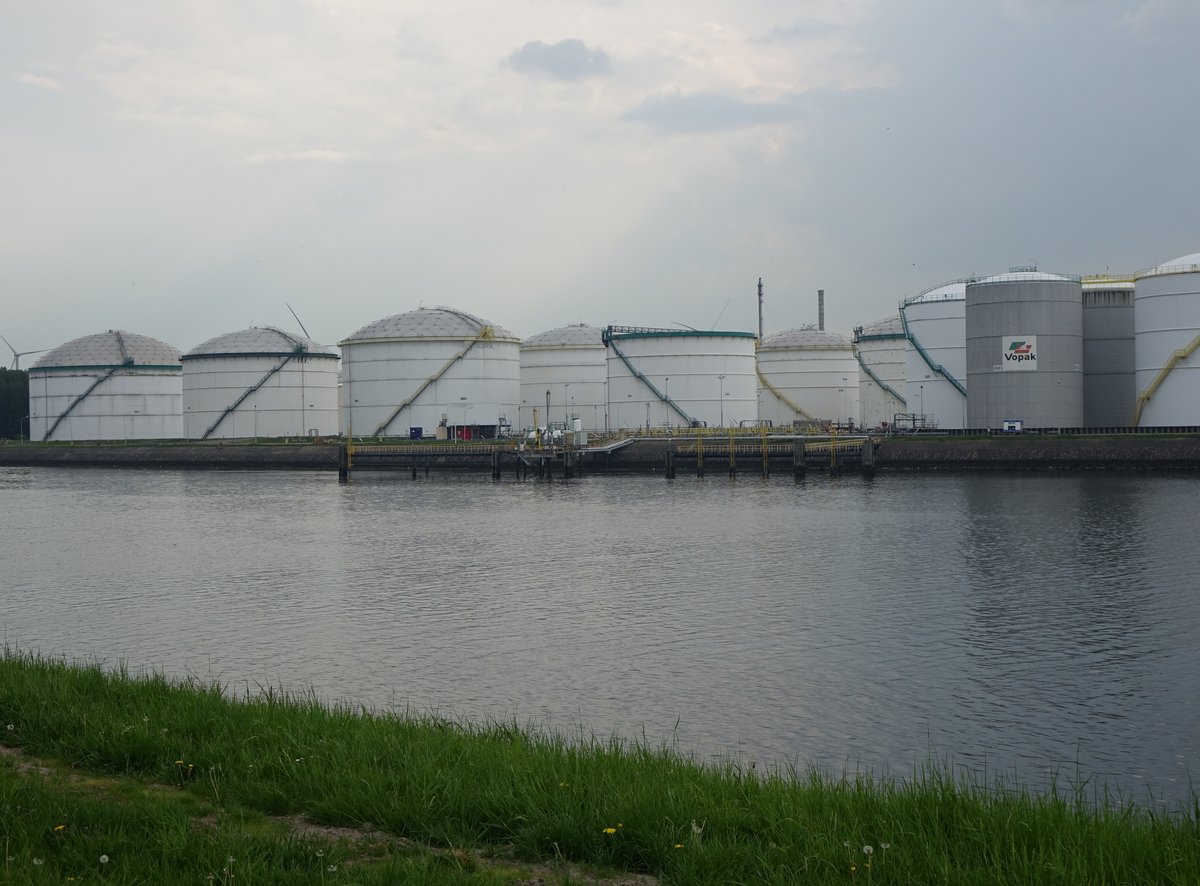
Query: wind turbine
pixel 17 355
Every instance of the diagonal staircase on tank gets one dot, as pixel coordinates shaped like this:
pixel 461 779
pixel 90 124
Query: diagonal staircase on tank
pixel 1175 359
pixel 99 381
pixel 486 333
pixel 783 398
pixel 937 368
pixel 875 378
pixel 298 353
pixel 610 341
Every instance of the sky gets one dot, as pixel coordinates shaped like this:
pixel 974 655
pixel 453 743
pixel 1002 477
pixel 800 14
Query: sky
pixel 191 168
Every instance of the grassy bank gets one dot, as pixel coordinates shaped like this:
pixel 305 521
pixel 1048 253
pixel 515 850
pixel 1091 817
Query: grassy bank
pixel 138 779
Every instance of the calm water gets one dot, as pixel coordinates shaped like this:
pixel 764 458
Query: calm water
pixel 1019 623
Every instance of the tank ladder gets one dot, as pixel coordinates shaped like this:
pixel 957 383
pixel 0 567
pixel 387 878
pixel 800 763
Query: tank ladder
pixel 608 340
pixel 301 349
pixel 783 398
pixel 937 368
pixel 1176 358
pixel 99 381
pixel 875 378
pixel 486 333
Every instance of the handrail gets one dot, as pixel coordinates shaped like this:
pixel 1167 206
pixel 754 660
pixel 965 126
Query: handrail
pixel 250 390
pixel 787 401
pixel 485 333
pixel 80 399
pixel 1175 359
pixel 937 368
pixel 639 375
pixel 875 378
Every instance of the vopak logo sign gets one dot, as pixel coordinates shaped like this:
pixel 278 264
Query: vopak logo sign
pixel 1019 352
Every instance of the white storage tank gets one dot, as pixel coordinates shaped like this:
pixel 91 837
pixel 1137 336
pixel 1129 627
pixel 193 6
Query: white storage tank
pixel 935 358
pixel 113 385
pixel 1109 388
pixel 1025 350
pixel 880 349
pixel 807 374
pixel 673 378
pixel 569 365
pixel 430 372
pixel 259 382
pixel 1166 322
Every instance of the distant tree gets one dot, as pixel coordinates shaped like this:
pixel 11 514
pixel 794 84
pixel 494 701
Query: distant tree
pixel 14 403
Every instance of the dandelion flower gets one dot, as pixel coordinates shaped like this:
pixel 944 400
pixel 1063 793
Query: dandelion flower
pixel 867 850
pixel 331 868
pixel 103 859
pixel 60 827
pixel 10 727
pixel 320 853
pixel 885 846
pixel 678 845
pixel 609 830
pixel 37 862
pixel 178 762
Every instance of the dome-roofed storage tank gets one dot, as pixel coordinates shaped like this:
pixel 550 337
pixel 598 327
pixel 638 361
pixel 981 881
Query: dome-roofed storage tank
pixel 113 385
pixel 259 382
pixel 1025 350
pixel 935 358
pixel 880 350
pixel 679 377
pixel 431 368
pixel 1166 320
pixel 1108 378
pixel 569 364
pixel 807 374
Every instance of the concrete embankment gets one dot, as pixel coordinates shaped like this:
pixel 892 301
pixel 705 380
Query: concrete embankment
pixel 1125 453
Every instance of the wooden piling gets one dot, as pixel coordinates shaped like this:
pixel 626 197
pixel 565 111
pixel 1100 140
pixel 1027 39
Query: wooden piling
pixel 799 462
pixel 868 457
pixel 343 464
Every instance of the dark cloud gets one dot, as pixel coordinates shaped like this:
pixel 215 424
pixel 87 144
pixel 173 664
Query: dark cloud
pixel 709 112
pixel 564 60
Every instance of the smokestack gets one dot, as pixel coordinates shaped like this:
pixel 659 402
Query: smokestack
pixel 821 309
pixel 760 306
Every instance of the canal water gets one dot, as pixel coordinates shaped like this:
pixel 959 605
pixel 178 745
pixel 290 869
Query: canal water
pixel 1029 627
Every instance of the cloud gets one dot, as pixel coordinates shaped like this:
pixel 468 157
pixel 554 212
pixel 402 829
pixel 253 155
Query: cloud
pixel 564 60
pixel 710 112
pixel 316 155
pixel 1166 21
pixel 39 82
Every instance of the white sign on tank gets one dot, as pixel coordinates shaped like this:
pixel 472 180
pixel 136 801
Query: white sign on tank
pixel 1018 352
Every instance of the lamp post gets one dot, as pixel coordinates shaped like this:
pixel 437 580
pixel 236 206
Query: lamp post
pixel 845 397
pixel 547 410
pixel 721 379
pixel 566 408
pixel 921 390
pixel 25 425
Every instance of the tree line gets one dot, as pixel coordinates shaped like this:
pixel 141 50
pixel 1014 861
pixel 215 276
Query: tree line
pixel 14 403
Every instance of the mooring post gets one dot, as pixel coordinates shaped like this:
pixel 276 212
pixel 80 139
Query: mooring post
pixel 699 456
pixel 670 458
pixel 343 464
pixel 766 461
pixel 413 463
pixel 868 457
pixel 732 456
pixel 799 465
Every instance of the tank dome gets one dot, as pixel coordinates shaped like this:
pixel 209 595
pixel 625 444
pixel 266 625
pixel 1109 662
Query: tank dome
pixel 956 289
pixel 889 326
pixel 428 323
pixel 576 335
pixel 109 349
pixel 805 337
pixel 1027 277
pixel 258 341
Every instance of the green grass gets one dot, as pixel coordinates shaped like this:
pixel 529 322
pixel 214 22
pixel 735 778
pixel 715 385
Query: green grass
pixel 171 779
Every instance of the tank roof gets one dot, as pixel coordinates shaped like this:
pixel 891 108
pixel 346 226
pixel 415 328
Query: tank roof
pixel 623 332
pixel 1185 264
pixel 1026 277
pixel 576 335
pixel 955 290
pixel 111 349
pixel 438 322
pixel 258 341
pixel 888 327
pixel 804 337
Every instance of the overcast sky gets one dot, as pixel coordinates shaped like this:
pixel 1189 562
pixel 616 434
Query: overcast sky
pixel 182 169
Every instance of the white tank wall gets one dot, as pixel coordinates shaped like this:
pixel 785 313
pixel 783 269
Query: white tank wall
pixel 1166 318
pixel 1046 308
pixel 694 364
pixel 300 398
pixel 575 376
pixel 883 351
pixel 940 325
pixel 821 379
pixel 480 389
pixel 133 404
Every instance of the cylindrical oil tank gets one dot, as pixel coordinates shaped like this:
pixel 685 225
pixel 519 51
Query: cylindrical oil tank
pixel 671 378
pixel 568 363
pixel 935 357
pixel 880 349
pixel 807 374
pixel 431 372
pixel 1108 377
pixel 1025 350
pixel 113 385
pixel 1166 324
pixel 259 382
